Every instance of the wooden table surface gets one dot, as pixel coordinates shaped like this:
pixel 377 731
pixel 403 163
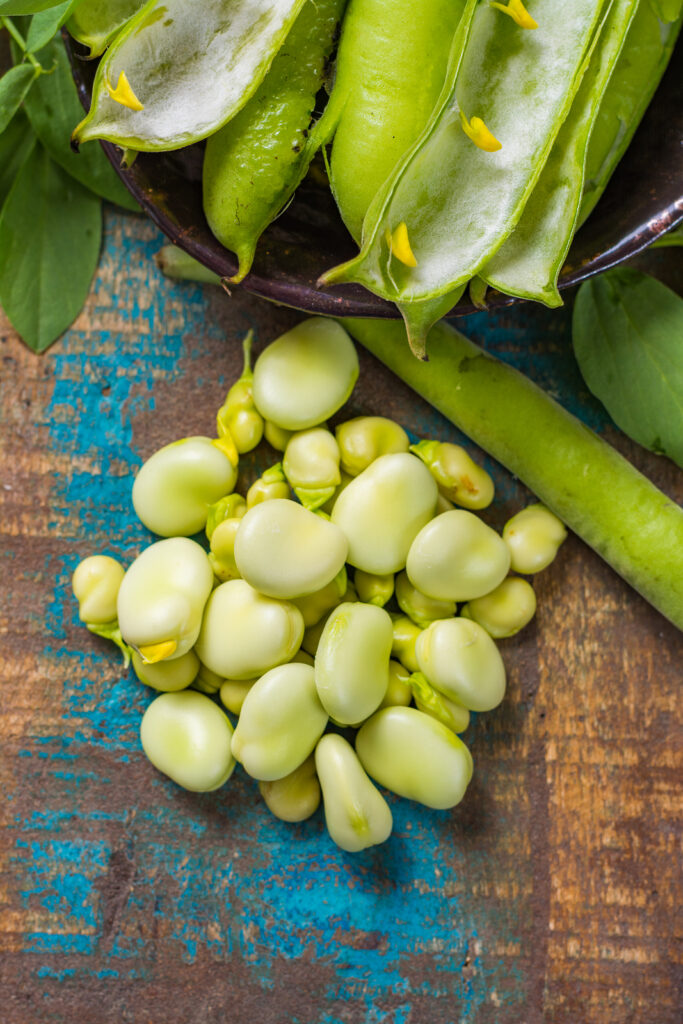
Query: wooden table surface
pixel 548 895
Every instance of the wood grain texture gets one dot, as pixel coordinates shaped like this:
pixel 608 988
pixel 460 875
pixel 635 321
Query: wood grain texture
pixel 548 895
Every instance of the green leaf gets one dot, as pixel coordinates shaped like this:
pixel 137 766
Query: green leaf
pixel 12 8
pixel 673 237
pixel 628 341
pixel 50 231
pixel 14 86
pixel 54 110
pixel 15 144
pixel 46 23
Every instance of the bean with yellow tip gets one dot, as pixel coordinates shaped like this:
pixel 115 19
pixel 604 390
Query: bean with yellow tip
pixel 506 610
pixel 533 537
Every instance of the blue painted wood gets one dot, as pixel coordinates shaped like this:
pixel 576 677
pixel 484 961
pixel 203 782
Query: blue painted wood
pixel 127 899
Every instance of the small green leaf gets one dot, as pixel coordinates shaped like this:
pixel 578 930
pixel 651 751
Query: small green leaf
pixel 50 230
pixel 54 110
pixel 628 341
pixel 14 86
pixel 46 23
pixel 673 237
pixel 13 8
pixel 15 144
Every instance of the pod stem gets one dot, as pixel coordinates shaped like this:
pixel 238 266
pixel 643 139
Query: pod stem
pixel 628 521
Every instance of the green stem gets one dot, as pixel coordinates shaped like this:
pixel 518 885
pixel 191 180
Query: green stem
pixel 582 479
pixel 21 43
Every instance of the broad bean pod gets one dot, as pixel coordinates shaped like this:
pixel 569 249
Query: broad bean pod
pixel 446 176
pixel 383 509
pixel 415 756
pixel 96 22
pixel 162 597
pixel 356 814
pixel 176 485
pixel 352 662
pixel 244 633
pixel 255 162
pixel 216 64
pixel 280 723
pixel 283 550
pixel 529 262
pixel 187 737
pixel 303 377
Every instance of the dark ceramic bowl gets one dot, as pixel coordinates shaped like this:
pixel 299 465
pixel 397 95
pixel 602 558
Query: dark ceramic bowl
pixel 643 200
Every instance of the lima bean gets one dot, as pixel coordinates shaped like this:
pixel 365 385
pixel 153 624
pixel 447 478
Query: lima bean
pixel 296 796
pixel 187 737
pixel 459 658
pixel 167 676
pixel 457 557
pixel 506 610
pixel 356 814
pixel 415 756
pixel 95 584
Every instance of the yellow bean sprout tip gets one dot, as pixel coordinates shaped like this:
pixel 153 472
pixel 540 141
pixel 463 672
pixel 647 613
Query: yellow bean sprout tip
pixel 518 12
pixel 476 130
pixel 151 653
pixel 124 94
pixel 399 243
pixel 225 444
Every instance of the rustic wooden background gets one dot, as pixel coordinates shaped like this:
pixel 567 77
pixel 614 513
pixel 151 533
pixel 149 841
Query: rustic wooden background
pixel 549 895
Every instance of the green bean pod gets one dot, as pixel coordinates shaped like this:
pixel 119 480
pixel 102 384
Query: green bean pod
pixel 177 72
pixel 96 22
pixel 415 756
pixel 280 723
pixel 255 162
pixel 356 814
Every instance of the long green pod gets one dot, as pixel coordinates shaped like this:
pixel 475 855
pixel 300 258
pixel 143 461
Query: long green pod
pixel 95 22
pixel 642 62
pixel 584 481
pixel 529 262
pixel 457 201
pixel 177 71
pixel 255 162
pixel 391 67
